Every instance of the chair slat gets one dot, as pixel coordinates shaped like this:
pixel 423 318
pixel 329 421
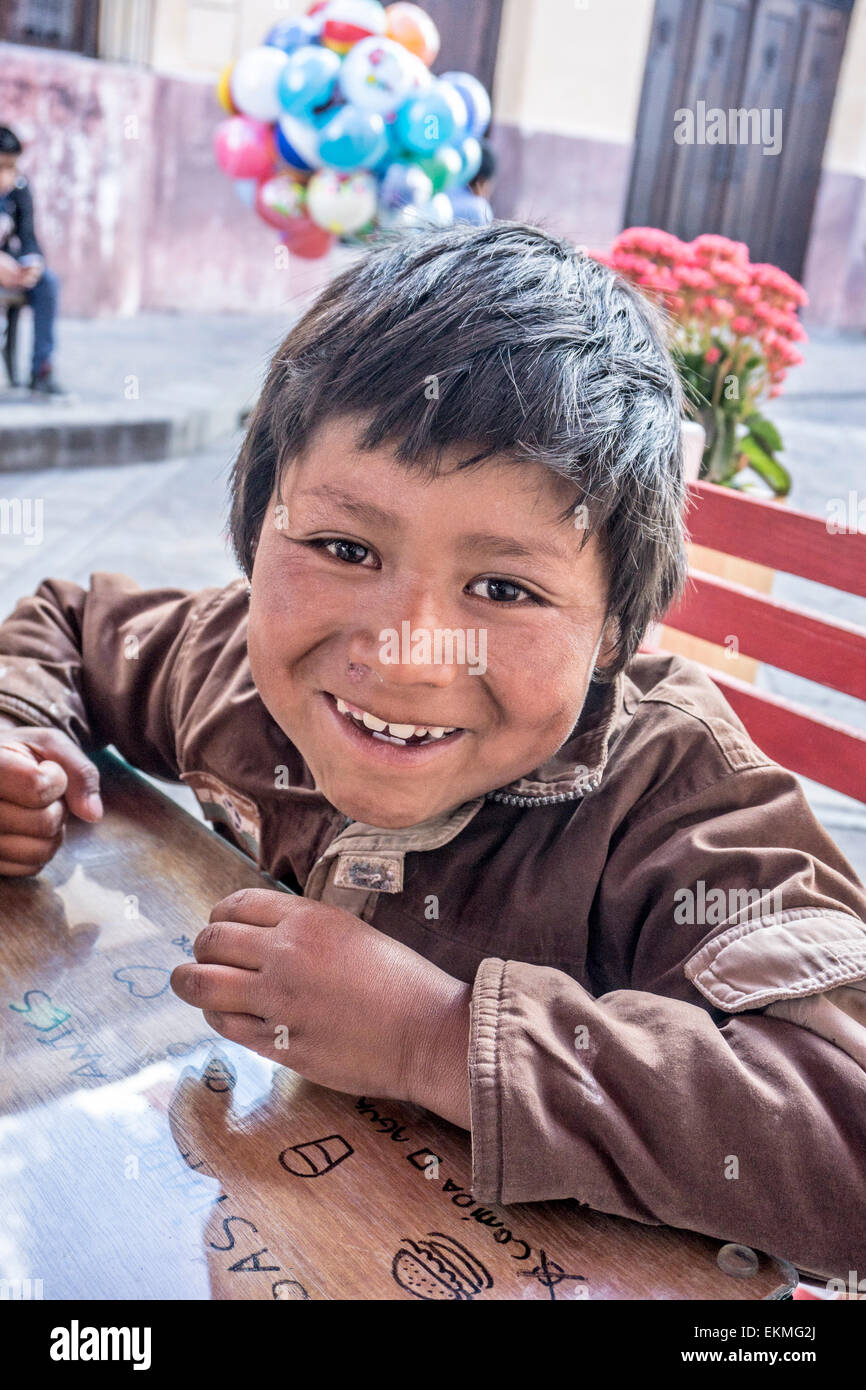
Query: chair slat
pixel 821 749
pixel 784 635
pixel 773 534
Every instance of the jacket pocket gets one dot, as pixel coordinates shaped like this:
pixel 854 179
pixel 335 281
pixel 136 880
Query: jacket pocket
pixel 221 802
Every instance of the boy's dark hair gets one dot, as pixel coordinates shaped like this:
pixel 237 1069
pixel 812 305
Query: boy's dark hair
pixel 538 353
pixel 9 142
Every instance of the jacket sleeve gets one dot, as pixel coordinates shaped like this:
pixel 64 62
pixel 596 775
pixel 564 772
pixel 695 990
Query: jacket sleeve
pixel 723 1090
pixel 101 664
pixel 25 226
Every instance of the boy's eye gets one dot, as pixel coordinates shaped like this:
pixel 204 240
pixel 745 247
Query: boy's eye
pixel 501 591
pixel 351 552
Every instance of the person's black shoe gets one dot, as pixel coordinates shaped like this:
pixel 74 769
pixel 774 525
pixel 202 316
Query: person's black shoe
pixel 44 384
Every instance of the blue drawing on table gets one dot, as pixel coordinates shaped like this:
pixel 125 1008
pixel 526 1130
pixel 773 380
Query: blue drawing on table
pixel 316 1157
pixel 439 1269
pixel 143 981
pixel 549 1274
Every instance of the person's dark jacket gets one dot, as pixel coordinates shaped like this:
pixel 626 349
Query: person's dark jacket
pixel 17 230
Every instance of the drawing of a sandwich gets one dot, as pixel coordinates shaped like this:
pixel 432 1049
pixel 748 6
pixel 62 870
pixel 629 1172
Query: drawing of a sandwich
pixel 439 1269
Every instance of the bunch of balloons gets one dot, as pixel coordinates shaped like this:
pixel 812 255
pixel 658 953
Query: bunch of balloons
pixel 336 126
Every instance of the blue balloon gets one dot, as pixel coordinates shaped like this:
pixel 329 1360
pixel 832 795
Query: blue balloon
pixel 297 142
pixel 290 34
pixel 437 116
pixel 468 207
pixel 308 79
pixel 474 93
pixel 353 139
pixel 404 185
pixel 470 152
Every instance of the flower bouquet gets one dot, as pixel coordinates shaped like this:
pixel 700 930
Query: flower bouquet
pixel 735 327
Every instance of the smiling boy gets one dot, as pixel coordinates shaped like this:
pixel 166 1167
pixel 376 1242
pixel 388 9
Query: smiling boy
pixel 479 431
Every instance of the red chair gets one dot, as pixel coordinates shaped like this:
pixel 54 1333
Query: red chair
pixel 798 640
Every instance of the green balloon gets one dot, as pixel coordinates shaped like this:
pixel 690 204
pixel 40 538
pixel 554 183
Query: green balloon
pixel 443 167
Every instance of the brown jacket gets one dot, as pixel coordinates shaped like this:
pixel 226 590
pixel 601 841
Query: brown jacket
pixel 668 953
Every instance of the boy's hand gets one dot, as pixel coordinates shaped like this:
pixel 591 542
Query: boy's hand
pixel 42 775
pixel 317 989
pixel 10 272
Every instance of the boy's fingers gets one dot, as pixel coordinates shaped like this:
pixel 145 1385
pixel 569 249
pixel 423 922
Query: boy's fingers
pixel 22 781
pixel 26 850
pixel 21 820
pixel 260 907
pixel 64 769
pixel 228 943
pixel 219 988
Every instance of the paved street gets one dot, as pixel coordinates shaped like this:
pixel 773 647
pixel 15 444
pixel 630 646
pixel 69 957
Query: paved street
pixel 163 522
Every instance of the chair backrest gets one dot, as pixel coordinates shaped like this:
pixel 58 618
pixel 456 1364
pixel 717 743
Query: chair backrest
pixel 799 640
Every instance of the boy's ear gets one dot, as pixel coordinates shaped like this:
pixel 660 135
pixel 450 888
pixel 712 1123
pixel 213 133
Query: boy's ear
pixel 610 634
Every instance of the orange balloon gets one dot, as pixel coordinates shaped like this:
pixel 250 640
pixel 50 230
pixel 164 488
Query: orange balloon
pixel 224 91
pixel 414 29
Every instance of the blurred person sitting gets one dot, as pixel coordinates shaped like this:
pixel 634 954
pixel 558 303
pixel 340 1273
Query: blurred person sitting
pixel 22 265
pixel 471 204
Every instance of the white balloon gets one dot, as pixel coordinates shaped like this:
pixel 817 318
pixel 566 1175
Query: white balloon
pixel 341 203
pixel 377 75
pixel 254 82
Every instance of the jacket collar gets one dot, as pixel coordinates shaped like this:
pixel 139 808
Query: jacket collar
pixel 577 768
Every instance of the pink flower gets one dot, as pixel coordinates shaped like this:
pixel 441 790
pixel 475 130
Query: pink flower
pixel 693 277
pixel 721 308
pixel 742 325
pixel 709 247
pixel 772 278
pixel 712 355
pixel 748 294
pixel 729 272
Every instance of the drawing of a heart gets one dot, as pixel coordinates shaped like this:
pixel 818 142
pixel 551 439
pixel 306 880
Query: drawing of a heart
pixel 143 981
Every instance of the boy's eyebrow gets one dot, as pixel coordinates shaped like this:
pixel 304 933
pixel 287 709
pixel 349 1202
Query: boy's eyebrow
pixel 505 546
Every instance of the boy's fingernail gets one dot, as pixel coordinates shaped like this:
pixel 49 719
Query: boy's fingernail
pixel 47 781
pixel 93 804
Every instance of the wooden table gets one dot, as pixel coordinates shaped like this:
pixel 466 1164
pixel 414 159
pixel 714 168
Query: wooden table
pixel 142 1156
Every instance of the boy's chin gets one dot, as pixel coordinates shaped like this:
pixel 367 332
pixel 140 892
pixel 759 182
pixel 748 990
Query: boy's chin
pixel 390 815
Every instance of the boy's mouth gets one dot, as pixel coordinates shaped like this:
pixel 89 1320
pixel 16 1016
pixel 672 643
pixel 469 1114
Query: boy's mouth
pixel 368 726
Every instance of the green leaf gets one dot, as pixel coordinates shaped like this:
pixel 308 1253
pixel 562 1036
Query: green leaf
pixel 764 431
pixel 763 463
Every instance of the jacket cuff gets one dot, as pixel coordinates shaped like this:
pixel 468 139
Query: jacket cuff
pixel 26 712
pixel 485 1097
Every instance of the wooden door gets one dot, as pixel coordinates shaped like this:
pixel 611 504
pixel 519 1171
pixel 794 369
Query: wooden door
pixel 470 36
pixel 773 56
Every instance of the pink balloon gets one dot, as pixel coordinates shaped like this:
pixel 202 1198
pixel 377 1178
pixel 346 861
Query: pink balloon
pixel 307 240
pixel 244 148
pixel 280 201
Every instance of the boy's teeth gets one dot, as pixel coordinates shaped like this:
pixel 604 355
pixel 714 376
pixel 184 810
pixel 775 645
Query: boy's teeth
pixel 373 723
pixel 399 731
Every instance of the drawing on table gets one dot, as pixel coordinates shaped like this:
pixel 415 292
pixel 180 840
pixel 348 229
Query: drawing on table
pixel 143 981
pixel 439 1269
pixel 219 1075
pixel 44 1015
pixel 549 1274
pixel 290 1289
pixel 316 1157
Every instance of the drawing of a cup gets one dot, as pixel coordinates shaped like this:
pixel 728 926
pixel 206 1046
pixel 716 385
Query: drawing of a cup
pixel 316 1157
